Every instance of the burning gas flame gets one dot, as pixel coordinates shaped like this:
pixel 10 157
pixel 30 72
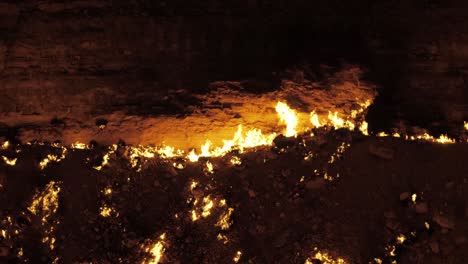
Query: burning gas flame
pixel 288 117
pixel 9 161
pixel 325 258
pixel 5 145
pixel 156 251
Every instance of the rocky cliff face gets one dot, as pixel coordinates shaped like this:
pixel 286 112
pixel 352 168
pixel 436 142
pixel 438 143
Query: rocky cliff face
pixel 94 56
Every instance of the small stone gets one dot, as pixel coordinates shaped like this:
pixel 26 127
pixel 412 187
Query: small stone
pixel 172 171
pixel 460 239
pixel 434 247
pixel 449 185
pixel 390 214
pixel 284 142
pixel 444 222
pixel 286 172
pixel 3 251
pixel 421 208
pixel 404 196
pixel 315 184
pixel 381 152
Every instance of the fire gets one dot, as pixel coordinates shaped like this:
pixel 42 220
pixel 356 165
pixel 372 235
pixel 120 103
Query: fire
pixel 156 251
pixel 325 258
pixel 209 167
pixel 45 205
pixel 465 125
pixel 401 239
pixel 363 128
pixel 237 256
pixel 338 122
pixel 9 161
pixel 314 119
pixel 289 117
pixel 224 221
pixel 106 157
pixel 204 210
pixel 106 211
pixel 5 144
pixel 79 145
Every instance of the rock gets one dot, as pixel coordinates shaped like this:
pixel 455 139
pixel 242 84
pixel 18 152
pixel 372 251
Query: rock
pixel 390 214
pixel 4 251
pixel 421 208
pixel 315 184
pixel 171 171
pixel 460 239
pixel 444 221
pixel 434 247
pixel 286 172
pixel 404 196
pixel 381 152
pixel 284 142
pixel 449 185
pixel 281 239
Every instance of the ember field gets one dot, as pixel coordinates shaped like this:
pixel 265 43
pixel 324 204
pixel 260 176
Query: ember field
pixel 337 197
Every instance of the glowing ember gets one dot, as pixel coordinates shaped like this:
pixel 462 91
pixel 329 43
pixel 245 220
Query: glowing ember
pixel 45 205
pixel 78 145
pixel 401 239
pixel 288 117
pixel 209 167
pixel 208 205
pixel 414 197
pixel 427 225
pixel 225 221
pixel 106 157
pixel 5 145
pixel 222 238
pixel 106 211
pixel 237 256
pixel 382 134
pixel 324 258
pixel 465 125
pixel 236 160
pixel 156 251
pixel 10 162
pixel 108 191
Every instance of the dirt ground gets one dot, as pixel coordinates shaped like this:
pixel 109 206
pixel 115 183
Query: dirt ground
pixel 333 197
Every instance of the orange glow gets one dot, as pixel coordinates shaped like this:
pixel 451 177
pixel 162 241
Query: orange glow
pixel 288 117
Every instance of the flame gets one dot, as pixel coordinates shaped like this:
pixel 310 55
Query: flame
pixel 289 117
pixel 10 162
pixel 465 125
pixel 324 258
pixel 108 191
pixel 106 211
pixel 224 221
pixel 363 128
pixel 5 145
pixel 79 145
pixel 314 119
pixel 156 251
pixel 209 167
pixel 45 204
pixel 106 157
pixel 382 134
pixel 237 256
pixel 401 239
